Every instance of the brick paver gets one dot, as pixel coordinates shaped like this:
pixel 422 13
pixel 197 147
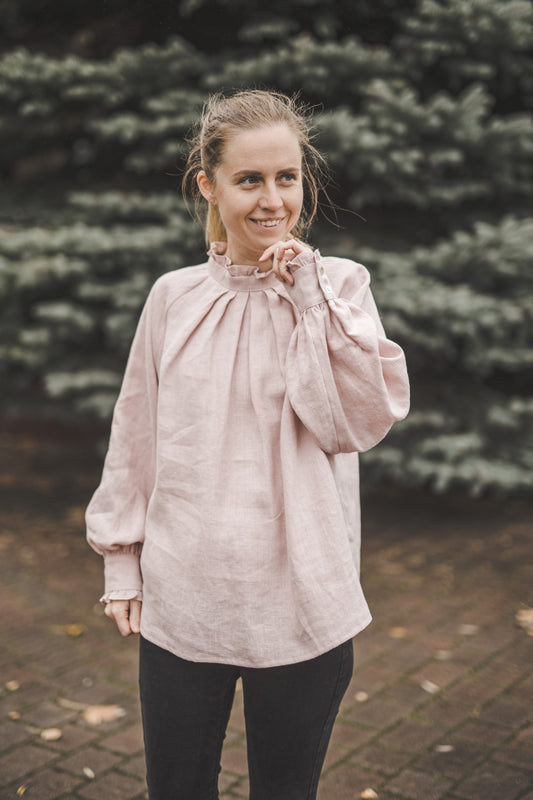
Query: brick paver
pixel 18 762
pixel 440 705
pixel 454 763
pixel 414 784
pixel 381 759
pixel 49 784
pixel 113 786
pixel 377 712
pixel 494 782
pixel 96 759
pixel 412 736
pixel 127 741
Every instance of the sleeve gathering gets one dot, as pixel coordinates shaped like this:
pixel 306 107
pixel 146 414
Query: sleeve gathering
pixel 116 514
pixel 346 381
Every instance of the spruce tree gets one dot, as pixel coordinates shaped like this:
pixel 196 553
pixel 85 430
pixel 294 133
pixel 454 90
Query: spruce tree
pixel 423 110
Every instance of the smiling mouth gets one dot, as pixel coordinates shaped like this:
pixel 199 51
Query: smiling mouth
pixel 268 223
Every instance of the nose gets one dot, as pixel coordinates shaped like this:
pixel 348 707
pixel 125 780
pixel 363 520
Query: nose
pixel 270 198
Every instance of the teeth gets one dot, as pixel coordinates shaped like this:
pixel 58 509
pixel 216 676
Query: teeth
pixel 268 223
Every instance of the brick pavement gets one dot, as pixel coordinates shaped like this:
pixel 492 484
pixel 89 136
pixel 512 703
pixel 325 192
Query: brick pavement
pixel 440 704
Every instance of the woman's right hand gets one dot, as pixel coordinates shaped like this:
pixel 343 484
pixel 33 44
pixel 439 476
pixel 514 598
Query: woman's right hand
pixel 127 615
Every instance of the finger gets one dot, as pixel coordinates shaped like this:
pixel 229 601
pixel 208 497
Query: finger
pixel 293 244
pixel 284 273
pixel 118 610
pixel 135 615
pixel 269 252
pixel 123 622
pixel 283 256
pixel 272 250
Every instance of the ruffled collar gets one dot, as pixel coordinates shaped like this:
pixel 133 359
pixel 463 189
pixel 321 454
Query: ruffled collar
pixel 239 277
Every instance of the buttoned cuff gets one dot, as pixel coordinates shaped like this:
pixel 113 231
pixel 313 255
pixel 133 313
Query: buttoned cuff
pixel 122 572
pixel 311 283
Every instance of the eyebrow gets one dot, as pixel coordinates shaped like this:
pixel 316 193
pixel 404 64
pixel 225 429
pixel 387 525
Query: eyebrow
pixel 255 172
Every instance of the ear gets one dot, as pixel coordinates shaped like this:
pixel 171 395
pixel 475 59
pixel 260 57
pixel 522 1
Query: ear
pixel 205 186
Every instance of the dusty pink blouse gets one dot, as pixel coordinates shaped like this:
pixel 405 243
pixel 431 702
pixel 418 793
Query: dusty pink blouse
pixel 229 494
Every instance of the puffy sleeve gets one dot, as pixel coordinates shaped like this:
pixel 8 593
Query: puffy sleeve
pixel 346 381
pixel 116 513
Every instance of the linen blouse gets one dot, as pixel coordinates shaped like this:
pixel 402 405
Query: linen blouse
pixel 229 499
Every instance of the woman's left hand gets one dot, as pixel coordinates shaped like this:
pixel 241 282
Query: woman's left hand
pixel 281 253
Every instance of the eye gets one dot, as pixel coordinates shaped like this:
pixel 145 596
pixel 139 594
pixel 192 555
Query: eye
pixel 288 177
pixel 248 180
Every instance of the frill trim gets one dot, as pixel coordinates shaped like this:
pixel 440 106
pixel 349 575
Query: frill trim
pixel 304 258
pixel 217 252
pixel 121 594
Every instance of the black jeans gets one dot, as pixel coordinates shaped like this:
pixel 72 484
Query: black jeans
pixel 289 713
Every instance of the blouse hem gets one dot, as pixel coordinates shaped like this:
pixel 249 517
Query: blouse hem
pixel 281 661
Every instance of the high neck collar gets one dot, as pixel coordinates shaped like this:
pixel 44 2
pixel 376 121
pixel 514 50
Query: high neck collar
pixel 239 277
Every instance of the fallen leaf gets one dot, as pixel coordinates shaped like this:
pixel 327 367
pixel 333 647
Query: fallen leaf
pixel 361 697
pixel 524 618
pixel 398 632
pixel 12 686
pixel 74 629
pixel 97 715
pixel 444 748
pixel 468 630
pixel 429 687
pixel 87 771
pixel 72 705
pixel 443 655
pixel 51 734
pixel 13 714
pixel 368 794
pixel 22 790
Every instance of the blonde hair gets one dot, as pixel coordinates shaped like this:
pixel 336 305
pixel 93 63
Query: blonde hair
pixel 224 117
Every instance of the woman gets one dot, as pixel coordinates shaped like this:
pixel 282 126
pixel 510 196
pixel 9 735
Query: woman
pixel 229 503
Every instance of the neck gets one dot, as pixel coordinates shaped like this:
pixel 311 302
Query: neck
pixel 249 259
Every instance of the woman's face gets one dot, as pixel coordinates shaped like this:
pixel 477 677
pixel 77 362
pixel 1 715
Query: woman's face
pixel 258 189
